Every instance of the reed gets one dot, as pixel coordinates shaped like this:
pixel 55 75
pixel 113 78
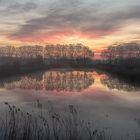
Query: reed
pixel 39 125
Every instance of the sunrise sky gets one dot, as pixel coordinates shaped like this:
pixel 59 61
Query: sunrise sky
pixel 95 23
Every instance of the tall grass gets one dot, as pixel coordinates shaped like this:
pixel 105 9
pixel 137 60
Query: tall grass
pixel 37 125
pixel 21 125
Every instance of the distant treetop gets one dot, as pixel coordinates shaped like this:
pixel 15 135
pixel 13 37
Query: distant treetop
pixel 71 51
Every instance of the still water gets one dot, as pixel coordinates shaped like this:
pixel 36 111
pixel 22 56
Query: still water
pixel 112 104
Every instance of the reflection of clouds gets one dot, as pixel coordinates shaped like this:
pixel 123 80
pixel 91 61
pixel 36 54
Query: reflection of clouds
pixel 52 81
pixel 115 83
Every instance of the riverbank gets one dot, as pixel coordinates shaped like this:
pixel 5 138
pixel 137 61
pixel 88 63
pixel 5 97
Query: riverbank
pixel 17 69
pixel 129 73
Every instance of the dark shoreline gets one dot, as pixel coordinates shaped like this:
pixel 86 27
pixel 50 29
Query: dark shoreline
pixel 132 74
pixel 120 72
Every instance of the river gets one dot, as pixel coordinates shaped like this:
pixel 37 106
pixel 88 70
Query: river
pixel 113 104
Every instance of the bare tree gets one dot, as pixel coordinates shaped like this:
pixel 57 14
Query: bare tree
pixel 117 53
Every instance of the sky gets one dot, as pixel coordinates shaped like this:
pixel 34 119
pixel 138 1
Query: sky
pixel 94 23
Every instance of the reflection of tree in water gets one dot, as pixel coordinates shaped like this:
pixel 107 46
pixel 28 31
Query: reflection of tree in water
pixel 59 81
pixel 67 81
pixel 27 82
pixel 115 83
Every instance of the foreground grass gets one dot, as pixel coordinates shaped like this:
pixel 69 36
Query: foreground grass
pixel 37 125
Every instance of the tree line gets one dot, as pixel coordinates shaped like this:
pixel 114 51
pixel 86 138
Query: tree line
pixel 30 58
pixel 127 53
pixel 50 52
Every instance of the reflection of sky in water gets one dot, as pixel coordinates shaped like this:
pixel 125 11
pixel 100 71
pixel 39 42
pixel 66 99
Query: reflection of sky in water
pixel 114 108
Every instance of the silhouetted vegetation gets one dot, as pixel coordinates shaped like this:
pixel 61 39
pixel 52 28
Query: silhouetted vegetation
pixel 24 59
pixel 125 53
pixel 50 125
pixel 51 54
pixel 72 54
pixel 122 59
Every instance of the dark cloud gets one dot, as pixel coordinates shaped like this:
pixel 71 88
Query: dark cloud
pixel 84 17
pixel 16 8
pixel 14 13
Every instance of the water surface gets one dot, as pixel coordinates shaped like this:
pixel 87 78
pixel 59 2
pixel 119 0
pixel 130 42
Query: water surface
pixel 113 105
